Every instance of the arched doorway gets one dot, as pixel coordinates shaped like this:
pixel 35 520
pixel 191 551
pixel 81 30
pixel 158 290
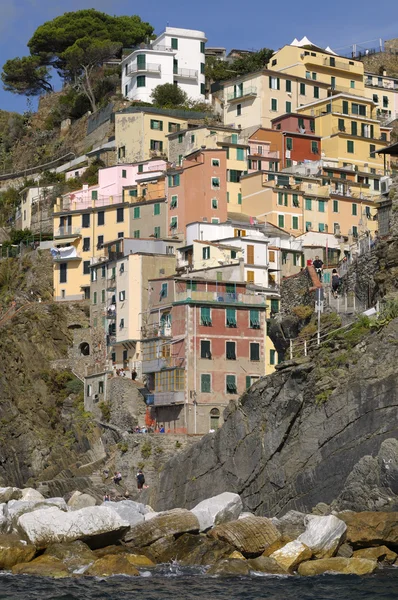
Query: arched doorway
pixel 214 418
pixel 84 349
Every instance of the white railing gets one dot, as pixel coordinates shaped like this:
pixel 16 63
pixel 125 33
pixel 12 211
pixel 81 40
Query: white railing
pixel 186 73
pixel 67 230
pixel 147 68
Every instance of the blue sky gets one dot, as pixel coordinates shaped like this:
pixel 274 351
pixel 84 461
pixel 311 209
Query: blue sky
pixel 252 24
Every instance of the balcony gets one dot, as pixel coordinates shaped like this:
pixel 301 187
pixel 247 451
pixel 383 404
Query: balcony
pixel 67 231
pixel 66 254
pixel 165 398
pixel 185 73
pixel 155 365
pixel 110 313
pixel 220 297
pixel 246 92
pixel 153 68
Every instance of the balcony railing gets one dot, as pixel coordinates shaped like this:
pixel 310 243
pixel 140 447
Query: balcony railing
pixel 147 68
pixel 154 365
pixel 220 297
pixel 67 230
pixel 186 73
pixel 338 64
pixel 244 93
pixel 165 398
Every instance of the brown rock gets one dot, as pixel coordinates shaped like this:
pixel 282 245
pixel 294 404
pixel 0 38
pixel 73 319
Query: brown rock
pixel 380 553
pixel 265 564
pixel 276 546
pixel 73 554
pixel 345 551
pixel 139 560
pixel 348 566
pixel 370 528
pixel 113 564
pixel 43 566
pixel 230 566
pixel 290 556
pixel 168 523
pixel 190 549
pixel 236 554
pixel 13 551
pixel 251 535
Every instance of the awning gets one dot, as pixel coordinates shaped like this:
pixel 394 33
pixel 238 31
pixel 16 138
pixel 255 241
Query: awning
pixel 60 241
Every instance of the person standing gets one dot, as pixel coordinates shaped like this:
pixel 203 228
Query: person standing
pixel 318 266
pixel 335 282
pixel 140 480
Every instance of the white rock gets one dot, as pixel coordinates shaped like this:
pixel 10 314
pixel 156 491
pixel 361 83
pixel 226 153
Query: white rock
pixel 96 525
pixel 128 510
pixel 322 535
pixel 246 514
pixel 291 555
pixel 15 508
pixel 79 500
pixel 10 493
pixel 150 515
pixel 3 519
pixel 31 494
pixel 219 509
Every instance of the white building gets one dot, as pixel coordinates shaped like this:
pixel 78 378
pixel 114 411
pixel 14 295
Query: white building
pixel 176 56
pixel 29 197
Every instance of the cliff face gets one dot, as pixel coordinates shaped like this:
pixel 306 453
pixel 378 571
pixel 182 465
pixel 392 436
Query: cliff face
pixel 304 435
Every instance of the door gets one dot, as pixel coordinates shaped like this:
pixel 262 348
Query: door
pixel 141 62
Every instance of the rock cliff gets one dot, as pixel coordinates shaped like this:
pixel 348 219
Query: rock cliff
pixel 311 432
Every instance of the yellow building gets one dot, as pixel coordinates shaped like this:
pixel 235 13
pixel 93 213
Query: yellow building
pixel 383 91
pixel 306 60
pixel 350 131
pixel 141 133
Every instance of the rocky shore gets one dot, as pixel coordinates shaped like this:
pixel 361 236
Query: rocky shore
pixel 54 538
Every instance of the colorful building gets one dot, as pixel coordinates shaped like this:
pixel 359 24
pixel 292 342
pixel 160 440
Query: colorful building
pixel 299 142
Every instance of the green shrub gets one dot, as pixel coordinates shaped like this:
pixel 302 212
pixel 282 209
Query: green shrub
pixel 146 449
pixel 322 397
pixel 303 312
pixel 123 447
pixel 178 444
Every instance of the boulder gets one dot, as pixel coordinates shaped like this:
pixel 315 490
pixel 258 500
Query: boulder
pixel 290 556
pixel 370 528
pixel 243 515
pixel 74 555
pixel 291 525
pixel 265 564
pixel 236 554
pixel 10 493
pixel 345 550
pixel 380 553
pixel 219 509
pixel 172 522
pixel 14 551
pixel 43 566
pixel 348 566
pixel 139 560
pixel 79 500
pixel 3 518
pixel 130 511
pixel 229 567
pixel 151 515
pixel 323 535
pixel 276 546
pixel 112 564
pixel 251 536
pixel 16 508
pixel 96 525
pixel 191 549
pixel 31 494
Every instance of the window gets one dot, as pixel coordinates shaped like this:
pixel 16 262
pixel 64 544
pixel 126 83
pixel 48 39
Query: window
pixel 254 351
pixel 85 220
pixel 321 206
pixel 308 225
pixel 173 127
pixel 281 221
pixel 335 206
pixel 137 212
pixel 164 290
pixel 341 125
pixel 86 244
pixel 192 285
pixel 205 316
pixel 226 148
pixel 250 276
pixel 174 180
pixel 345 107
pixel 289 143
pixel 272 357
pixel 215 162
pixel 240 154
pixel 86 267
pixel 316 91
pixel 121 153
pixel 230 352
pixel 180 138
pixel 202 47
pixel 119 215
pixel 101 218
pixel 102 296
pixel 173 223
pixel 274 306
pixel 375 98
pixel 308 204
pixel 156 145
pixel 140 168
pixel 288 85
pixel 122 296
pixel 215 183
pixel 385 101
pixel 136 233
pixel 288 107
pixel 352 84
pixel 94 195
pixel 333 83
pixel 156 124
pixel 254 319
pixel 202 89
pixel 63 272
pixel 295 201
pixel 206 252
pixel 174 43
pixel 321 227
pixel 274 104
pixel 174 202
pixel 308 75
pixel 358 109
pixel 302 89
pixel 124 173
pixel 301 123
pixel 156 232
pixel 274 83
pixel 140 81
pixel 383 136
pixel 354 209
pixel 230 382
pixel 376 184
pixel 100 241
pixel 314 148
pixel 355 231
pixel 332 61
pixel 156 209
pixel 238 110
pixel 205 383
pixel 214 203
pixel 372 151
pixel 192 138
pixel 295 223
pixel 121 324
pixel 230 317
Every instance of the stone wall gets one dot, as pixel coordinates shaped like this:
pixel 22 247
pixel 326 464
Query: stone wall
pixel 382 61
pixel 295 291
pixel 359 279
pixel 42 217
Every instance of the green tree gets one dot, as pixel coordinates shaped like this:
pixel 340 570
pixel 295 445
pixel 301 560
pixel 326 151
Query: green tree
pixel 169 95
pixel 26 76
pixel 220 70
